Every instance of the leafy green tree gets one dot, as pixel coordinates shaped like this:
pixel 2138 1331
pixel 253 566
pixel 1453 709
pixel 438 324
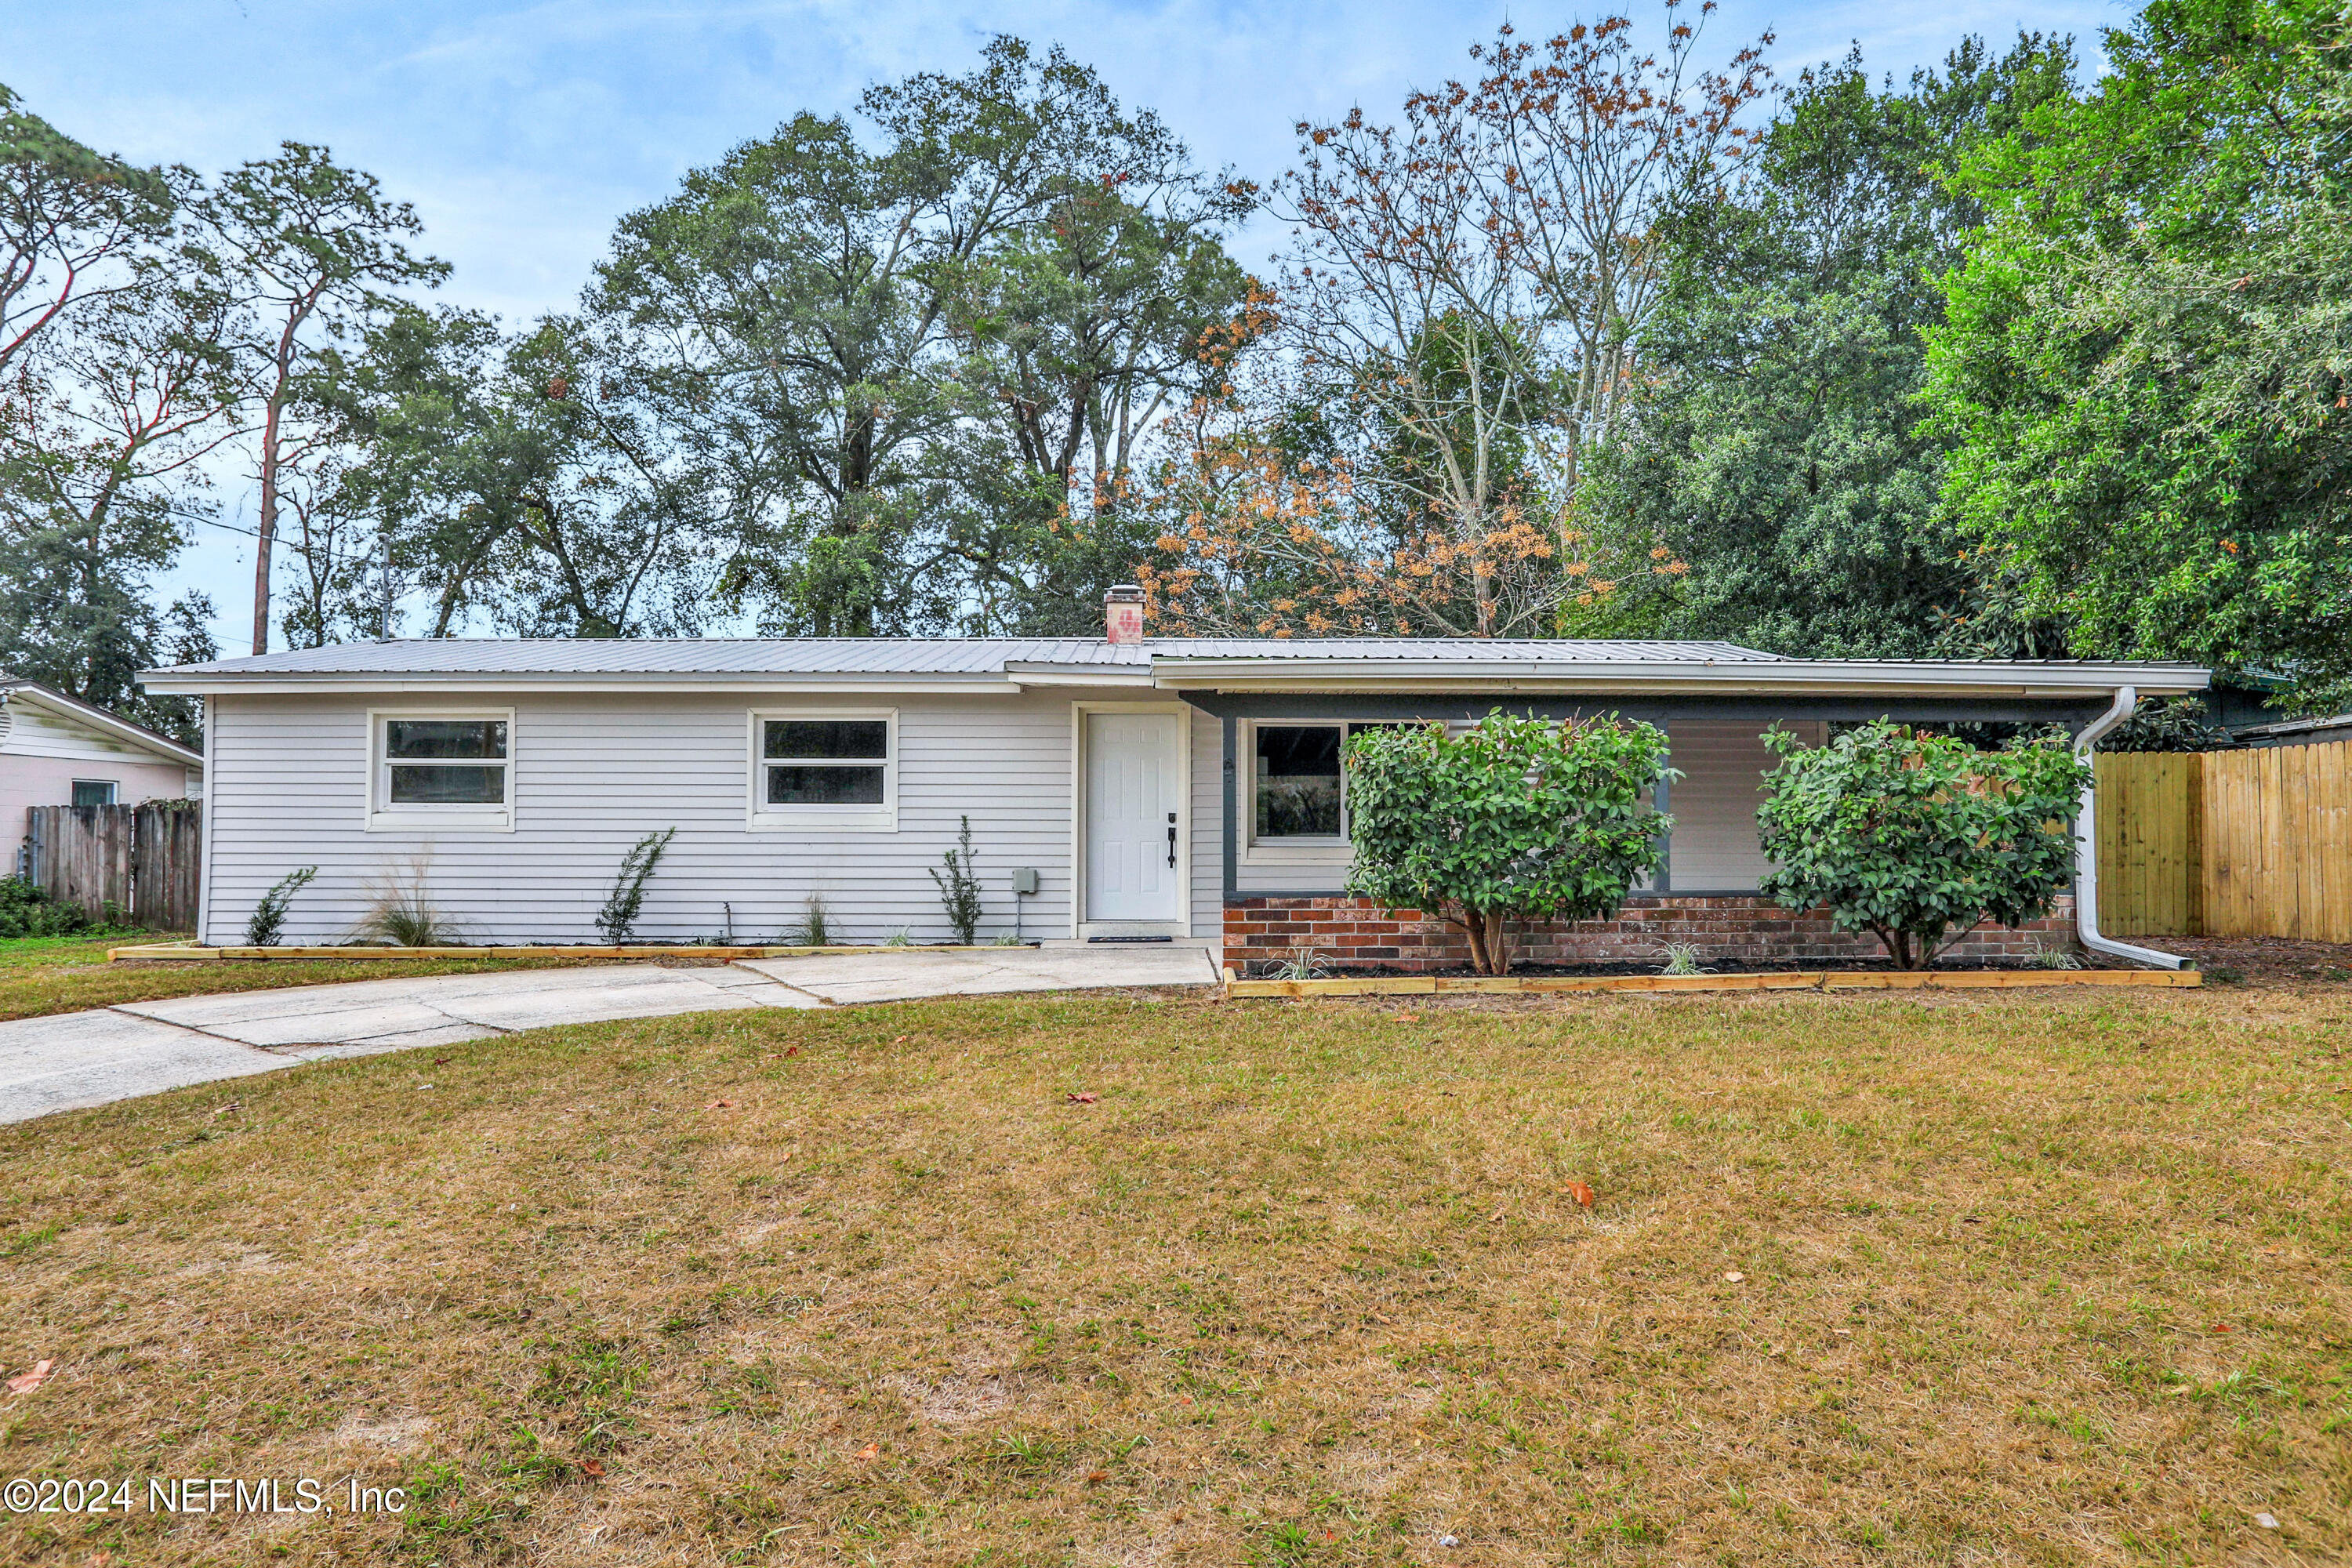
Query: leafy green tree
pixel 1003 279
pixel 313 245
pixel 2145 361
pixel 70 218
pixel 1516 819
pixel 1774 461
pixel 1909 835
pixel 103 435
pixel 529 480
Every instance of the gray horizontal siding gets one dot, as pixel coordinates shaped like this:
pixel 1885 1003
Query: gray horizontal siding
pixel 1715 801
pixel 592 773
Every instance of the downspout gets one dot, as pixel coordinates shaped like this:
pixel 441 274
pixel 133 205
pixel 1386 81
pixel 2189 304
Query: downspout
pixel 2086 849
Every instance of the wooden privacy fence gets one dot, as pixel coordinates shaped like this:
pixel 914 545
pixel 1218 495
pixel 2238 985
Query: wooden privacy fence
pixel 2253 843
pixel 141 860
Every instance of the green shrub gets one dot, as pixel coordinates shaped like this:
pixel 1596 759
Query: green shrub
pixel 1516 819
pixel 618 919
pixel 268 921
pixel 1909 835
pixel 960 889
pixel 26 910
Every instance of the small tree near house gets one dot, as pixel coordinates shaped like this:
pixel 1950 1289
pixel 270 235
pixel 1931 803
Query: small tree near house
pixel 1910 835
pixel 1517 819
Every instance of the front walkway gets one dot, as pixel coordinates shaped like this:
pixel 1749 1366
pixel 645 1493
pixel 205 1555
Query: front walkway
pixel 75 1059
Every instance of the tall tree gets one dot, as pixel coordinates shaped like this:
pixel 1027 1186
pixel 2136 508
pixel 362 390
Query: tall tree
pixel 2147 355
pixel 316 244
pixel 69 219
pixel 102 438
pixel 1456 312
pixel 1773 449
pixel 529 480
pixel 1001 269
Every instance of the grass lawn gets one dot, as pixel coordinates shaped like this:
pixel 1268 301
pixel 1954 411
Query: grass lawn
pixel 40 975
pixel 2038 1278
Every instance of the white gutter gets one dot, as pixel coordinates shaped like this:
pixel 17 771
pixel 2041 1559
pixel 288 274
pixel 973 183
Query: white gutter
pixel 2086 849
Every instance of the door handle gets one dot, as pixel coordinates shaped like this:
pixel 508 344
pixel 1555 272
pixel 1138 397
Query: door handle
pixel 1171 838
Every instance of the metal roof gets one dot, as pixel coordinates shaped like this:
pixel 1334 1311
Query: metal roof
pixel 1004 664
pixel 929 656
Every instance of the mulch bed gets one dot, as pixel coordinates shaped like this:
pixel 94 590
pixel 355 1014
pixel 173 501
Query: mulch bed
pixel 2259 960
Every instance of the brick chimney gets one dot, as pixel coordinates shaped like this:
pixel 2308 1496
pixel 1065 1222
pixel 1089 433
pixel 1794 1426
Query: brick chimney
pixel 1123 614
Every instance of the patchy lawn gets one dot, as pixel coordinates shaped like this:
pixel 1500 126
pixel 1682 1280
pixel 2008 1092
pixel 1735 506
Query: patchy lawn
pixel 2040 1279
pixel 40 975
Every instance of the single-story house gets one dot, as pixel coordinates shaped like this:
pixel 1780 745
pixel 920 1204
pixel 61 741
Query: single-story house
pixel 1117 788
pixel 56 750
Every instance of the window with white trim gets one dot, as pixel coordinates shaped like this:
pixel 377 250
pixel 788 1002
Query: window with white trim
pixel 827 767
pixel 451 768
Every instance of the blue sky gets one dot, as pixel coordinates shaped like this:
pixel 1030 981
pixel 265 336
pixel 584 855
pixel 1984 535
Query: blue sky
pixel 520 131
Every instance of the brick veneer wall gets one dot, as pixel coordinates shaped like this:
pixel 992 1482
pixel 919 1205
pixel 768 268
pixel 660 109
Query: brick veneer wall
pixel 1728 929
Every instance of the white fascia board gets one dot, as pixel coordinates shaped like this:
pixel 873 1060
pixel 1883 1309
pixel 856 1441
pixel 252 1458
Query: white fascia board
pixel 1080 675
pixel 980 684
pixel 104 722
pixel 1787 678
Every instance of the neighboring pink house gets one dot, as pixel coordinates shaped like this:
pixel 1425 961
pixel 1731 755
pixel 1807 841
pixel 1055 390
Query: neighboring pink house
pixel 56 750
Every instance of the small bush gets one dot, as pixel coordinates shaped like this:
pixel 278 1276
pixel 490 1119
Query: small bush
pixel 1682 958
pixel 812 929
pixel 1909 835
pixel 960 889
pixel 401 911
pixel 26 910
pixel 618 919
pixel 266 924
pixel 1519 819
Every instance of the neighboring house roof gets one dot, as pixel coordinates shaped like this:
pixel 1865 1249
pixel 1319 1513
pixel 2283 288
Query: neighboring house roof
pixel 2297 732
pixel 1401 664
pixel 32 694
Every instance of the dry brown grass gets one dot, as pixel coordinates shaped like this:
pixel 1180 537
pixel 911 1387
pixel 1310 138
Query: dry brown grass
pixel 2026 1279
pixel 42 975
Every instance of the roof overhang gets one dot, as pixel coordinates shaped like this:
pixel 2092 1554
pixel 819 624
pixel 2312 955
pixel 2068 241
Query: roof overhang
pixel 2057 680
pixel 35 695
pixel 474 683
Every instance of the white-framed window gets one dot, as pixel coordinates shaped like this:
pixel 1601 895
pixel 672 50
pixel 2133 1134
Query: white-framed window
pixel 826 768
pixel 441 768
pixel 96 792
pixel 1298 791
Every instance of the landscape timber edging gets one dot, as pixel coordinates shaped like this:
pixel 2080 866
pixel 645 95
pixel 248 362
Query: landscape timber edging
pixel 186 951
pixel 1793 980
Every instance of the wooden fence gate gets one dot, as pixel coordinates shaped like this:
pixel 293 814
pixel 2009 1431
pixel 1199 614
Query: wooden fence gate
pixel 135 863
pixel 2253 843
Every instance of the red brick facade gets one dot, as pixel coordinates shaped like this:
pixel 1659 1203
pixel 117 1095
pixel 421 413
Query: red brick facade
pixel 1729 929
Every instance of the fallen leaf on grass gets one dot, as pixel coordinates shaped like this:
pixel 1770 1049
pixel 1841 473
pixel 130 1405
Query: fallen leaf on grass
pixel 2223 1329
pixel 792 1050
pixel 1096 1478
pixel 871 1451
pixel 25 1383
pixel 1081 1098
pixel 1582 1194
pixel 593 1468
pixel 720 1105
pixel 1732 1277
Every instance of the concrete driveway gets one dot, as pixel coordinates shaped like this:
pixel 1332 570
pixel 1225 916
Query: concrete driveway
pixel 75 1059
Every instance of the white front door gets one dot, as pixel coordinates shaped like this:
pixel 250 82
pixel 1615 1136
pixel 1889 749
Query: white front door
pixel 1134 780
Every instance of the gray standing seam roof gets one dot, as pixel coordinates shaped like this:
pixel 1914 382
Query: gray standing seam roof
pixel 913 655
